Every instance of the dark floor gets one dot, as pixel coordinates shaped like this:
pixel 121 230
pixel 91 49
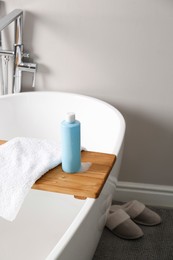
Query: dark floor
pixel 156 244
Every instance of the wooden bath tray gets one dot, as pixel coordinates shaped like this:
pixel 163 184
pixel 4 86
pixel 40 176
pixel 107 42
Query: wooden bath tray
pixel 80 184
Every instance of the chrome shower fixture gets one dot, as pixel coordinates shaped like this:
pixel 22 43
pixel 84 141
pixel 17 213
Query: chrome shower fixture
pixel 17 53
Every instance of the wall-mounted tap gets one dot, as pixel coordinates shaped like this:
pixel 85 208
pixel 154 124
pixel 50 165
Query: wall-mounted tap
pixel 17 53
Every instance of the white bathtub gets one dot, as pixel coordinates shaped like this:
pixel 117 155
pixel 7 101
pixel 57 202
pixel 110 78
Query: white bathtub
pixel 51 225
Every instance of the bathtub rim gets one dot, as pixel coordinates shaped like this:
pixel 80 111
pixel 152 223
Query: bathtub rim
pixel 121 118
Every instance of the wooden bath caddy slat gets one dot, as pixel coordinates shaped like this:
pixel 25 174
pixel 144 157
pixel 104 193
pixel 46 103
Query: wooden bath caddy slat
pixel 80 184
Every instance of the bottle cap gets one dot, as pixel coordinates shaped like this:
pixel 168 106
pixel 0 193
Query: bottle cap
pixel 70 117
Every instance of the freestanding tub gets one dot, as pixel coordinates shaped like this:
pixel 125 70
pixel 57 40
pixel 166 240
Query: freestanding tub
pixel 51 225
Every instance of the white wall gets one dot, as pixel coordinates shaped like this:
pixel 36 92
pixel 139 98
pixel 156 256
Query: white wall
pixel 119 51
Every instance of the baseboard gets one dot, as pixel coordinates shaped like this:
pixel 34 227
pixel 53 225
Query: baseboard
pixel 150 194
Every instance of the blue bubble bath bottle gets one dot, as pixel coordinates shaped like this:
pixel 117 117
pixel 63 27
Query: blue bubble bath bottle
pixel 71 147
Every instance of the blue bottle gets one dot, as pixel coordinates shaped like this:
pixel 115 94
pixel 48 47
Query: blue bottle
pixel 71 150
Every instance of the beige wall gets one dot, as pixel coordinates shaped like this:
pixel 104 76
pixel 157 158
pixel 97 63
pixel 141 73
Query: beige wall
pixel 116 50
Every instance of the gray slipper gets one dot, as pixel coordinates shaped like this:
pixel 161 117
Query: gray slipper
pixel 120 224
pixel 139 213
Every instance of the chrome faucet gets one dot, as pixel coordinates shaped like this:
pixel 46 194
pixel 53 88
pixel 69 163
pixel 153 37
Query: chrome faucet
pixel 17 53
